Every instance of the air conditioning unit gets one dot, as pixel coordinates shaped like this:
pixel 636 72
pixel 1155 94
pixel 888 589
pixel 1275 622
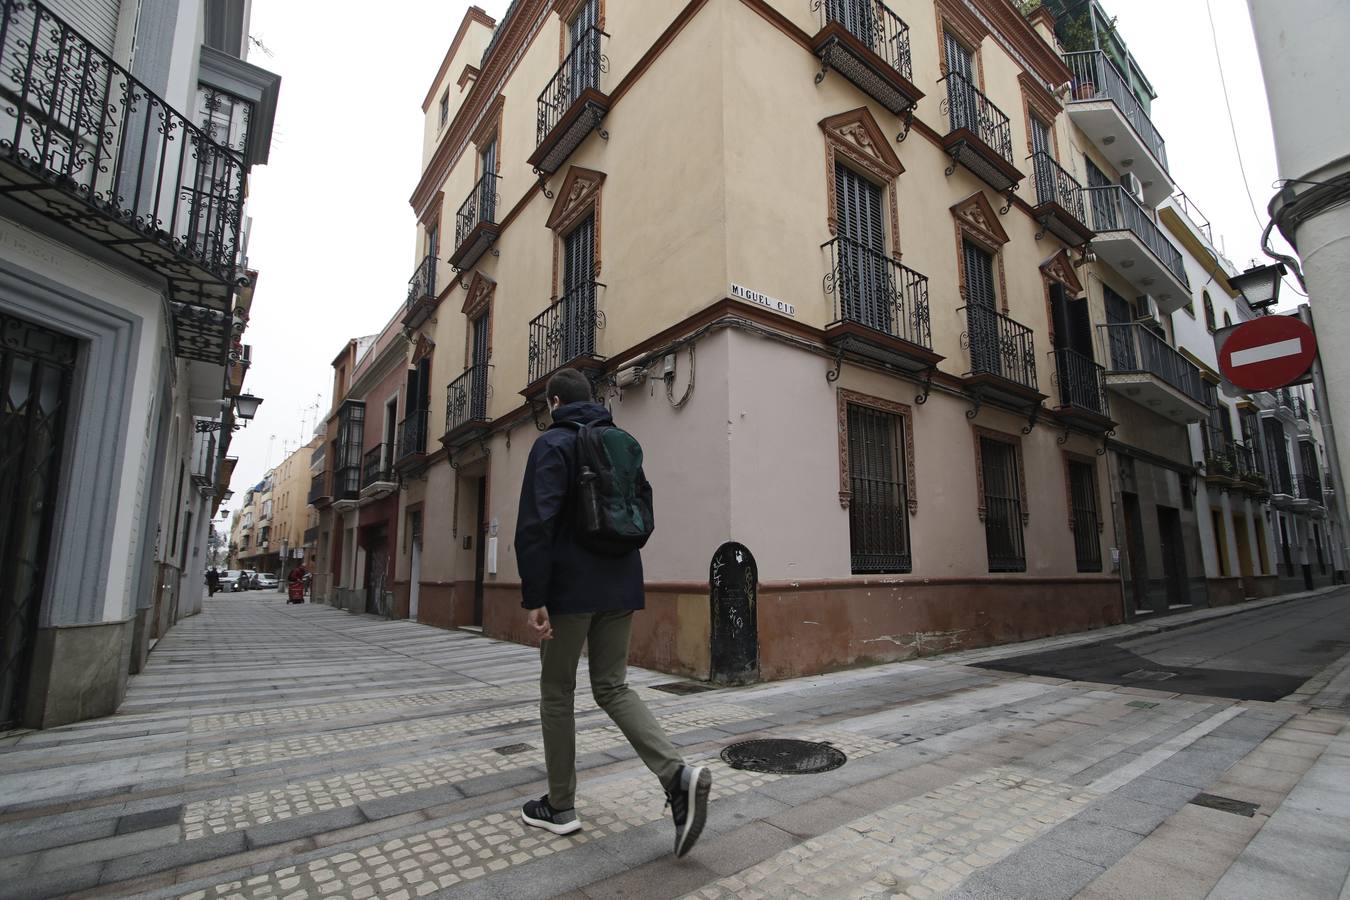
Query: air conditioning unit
pixel 1131 183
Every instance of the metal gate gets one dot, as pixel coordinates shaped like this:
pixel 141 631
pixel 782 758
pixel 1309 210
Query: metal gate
pixel 36 367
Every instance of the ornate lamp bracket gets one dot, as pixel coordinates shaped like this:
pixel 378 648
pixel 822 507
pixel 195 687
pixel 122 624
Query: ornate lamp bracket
pixel 977 401
pixel 833 375
pixel 926 385
pixel 543 183
pixel 908 116
pixel 1003 210
pixel 1064 436
pixel 1032 419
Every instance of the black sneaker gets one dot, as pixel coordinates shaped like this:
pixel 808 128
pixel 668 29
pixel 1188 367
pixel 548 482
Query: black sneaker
pixel 559 821
pixel 688 800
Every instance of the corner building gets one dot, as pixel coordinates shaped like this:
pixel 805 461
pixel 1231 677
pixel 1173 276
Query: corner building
pixel 828 266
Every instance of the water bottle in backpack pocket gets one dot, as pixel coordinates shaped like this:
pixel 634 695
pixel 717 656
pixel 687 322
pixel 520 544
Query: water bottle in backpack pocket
pixel 612 515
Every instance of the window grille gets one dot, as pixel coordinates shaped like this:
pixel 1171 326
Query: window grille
pixel 1002 507
pixel 878 507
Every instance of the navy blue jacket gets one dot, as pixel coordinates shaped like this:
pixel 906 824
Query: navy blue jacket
pixel 556 571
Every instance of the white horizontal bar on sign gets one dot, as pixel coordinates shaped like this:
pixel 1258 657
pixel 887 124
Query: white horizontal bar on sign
pixel 1267 352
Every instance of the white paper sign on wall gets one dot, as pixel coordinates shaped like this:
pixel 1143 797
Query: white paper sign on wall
pixel 781 307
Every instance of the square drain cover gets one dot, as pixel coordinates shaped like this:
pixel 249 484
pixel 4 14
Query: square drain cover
pixel 511 749
pixel 1141 704
pixel 1226 804
pixel 684 687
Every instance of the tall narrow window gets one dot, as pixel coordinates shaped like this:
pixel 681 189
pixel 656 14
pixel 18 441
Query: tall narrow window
pixel 982 318
pixel 1002 506
pixel 1087 544
pixel 864 287
pixel 962 104
pixel 445 107
pixel 578 310
pixel 1209 311
pixel 487 201
pixel 959 59
pixel 584 39
pixel 479 363
pixel 878 507
pixel 1040 137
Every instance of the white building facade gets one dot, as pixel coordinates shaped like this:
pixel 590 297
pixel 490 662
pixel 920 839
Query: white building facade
pixel 127 133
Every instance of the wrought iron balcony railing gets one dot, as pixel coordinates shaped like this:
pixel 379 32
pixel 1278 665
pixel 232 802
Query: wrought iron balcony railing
pixel 875 26
pixel 376 466
pixel 311 535
pixel 1095 77
pixel 872 289
pixel 1114 209
pixel 318 487
pixel 968 108
pixel 999 346
pixel 85 143
pixel 1055 185
pixel 1308 487
pixel 466 398
pixel 1131 347
pixel 478 208
pixel 412 435
pixel 579 73
pixel 1082 382
pixel 422 285
pixel 566 331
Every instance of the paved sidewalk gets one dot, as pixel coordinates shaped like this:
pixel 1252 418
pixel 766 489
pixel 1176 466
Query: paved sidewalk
pixel 290 752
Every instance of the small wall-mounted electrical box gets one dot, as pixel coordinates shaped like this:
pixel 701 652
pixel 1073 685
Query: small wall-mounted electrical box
pixel 668 366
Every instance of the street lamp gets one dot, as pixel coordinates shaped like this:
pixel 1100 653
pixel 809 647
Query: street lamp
pixel 1260 284
pixel 246 406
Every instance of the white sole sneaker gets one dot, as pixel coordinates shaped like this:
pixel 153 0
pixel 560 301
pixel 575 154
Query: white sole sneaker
pixel 566 828
pixel 700 785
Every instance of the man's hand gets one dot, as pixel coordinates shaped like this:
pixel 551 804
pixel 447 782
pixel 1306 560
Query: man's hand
pixel 538 619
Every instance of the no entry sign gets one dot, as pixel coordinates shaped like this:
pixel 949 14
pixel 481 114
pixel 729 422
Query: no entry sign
pixel 1268 353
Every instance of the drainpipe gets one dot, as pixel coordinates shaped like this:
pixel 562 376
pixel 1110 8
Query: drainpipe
pixel 1328 436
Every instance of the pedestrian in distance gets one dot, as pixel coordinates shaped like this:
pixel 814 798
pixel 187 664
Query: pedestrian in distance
pixel 585 513
pixel 212 581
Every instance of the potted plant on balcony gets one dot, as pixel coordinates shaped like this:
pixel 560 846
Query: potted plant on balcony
pixel 1218 469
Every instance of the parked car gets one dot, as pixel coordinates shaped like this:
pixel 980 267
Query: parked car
pixel 228 579
pixel 267 582
pixel 248 580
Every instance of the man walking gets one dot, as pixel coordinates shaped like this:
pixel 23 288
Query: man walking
pixel 212 581
pixel 577 595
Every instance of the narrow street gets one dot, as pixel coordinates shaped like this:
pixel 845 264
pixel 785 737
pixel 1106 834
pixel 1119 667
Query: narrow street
pixel 300 751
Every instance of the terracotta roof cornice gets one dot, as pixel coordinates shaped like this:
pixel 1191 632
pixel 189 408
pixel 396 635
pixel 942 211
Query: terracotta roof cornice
pixel 473 15
pixel 485 89
pixel 1014 28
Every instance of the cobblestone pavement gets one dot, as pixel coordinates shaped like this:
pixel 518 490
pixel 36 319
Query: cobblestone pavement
pixel 290 752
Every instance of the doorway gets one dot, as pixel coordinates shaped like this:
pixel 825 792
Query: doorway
pixel 1173 542
pixel 415 575
pixel 36 370
pixel 1137 580
pixel 480 551
pixel 377 570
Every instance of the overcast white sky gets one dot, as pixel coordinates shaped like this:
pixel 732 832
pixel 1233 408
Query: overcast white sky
pixel 333 234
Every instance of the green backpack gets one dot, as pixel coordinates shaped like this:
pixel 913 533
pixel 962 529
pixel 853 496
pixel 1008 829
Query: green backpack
pixel 611 516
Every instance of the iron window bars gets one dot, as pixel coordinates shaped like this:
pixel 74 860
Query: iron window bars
pixel 875 26
pixel 412 435
pixel 80 135
pixel 1114 209
pixel 478 208
pixel 999 346
pixel 1004 541
pixel 878 509
pixel 466 398
pixel 566 331
pixel 969 108
pixel 1082 381
pixel 872 289
pixel 376 466
pixel 1055 185
pixel 1087 545
pixel 1132 347
pixel 1095 77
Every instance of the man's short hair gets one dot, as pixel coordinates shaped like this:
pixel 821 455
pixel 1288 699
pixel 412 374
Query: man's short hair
pixel 569 386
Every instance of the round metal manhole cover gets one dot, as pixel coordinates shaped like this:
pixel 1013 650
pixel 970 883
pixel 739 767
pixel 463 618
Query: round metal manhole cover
pixel 784 757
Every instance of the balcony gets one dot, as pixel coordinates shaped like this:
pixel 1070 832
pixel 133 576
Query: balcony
pixel 880 308
pixel 377 473
pixel 1301 493
pixel 1131 243
pixel 1002 359
pixel 564 335
pixel 319 497
pixel 1104 107
pixel 571 105
pixel 311 536
pixel 869 45
pixel 466 411
pixel 1082 390
pixel 1059 201
pixel 85 144
pixel 412 439
pixel 421 293
pixel 980 137
pixel 204 461
pixel 476 228
pixel 1142 368
pixel 346 487
pixel 318 460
